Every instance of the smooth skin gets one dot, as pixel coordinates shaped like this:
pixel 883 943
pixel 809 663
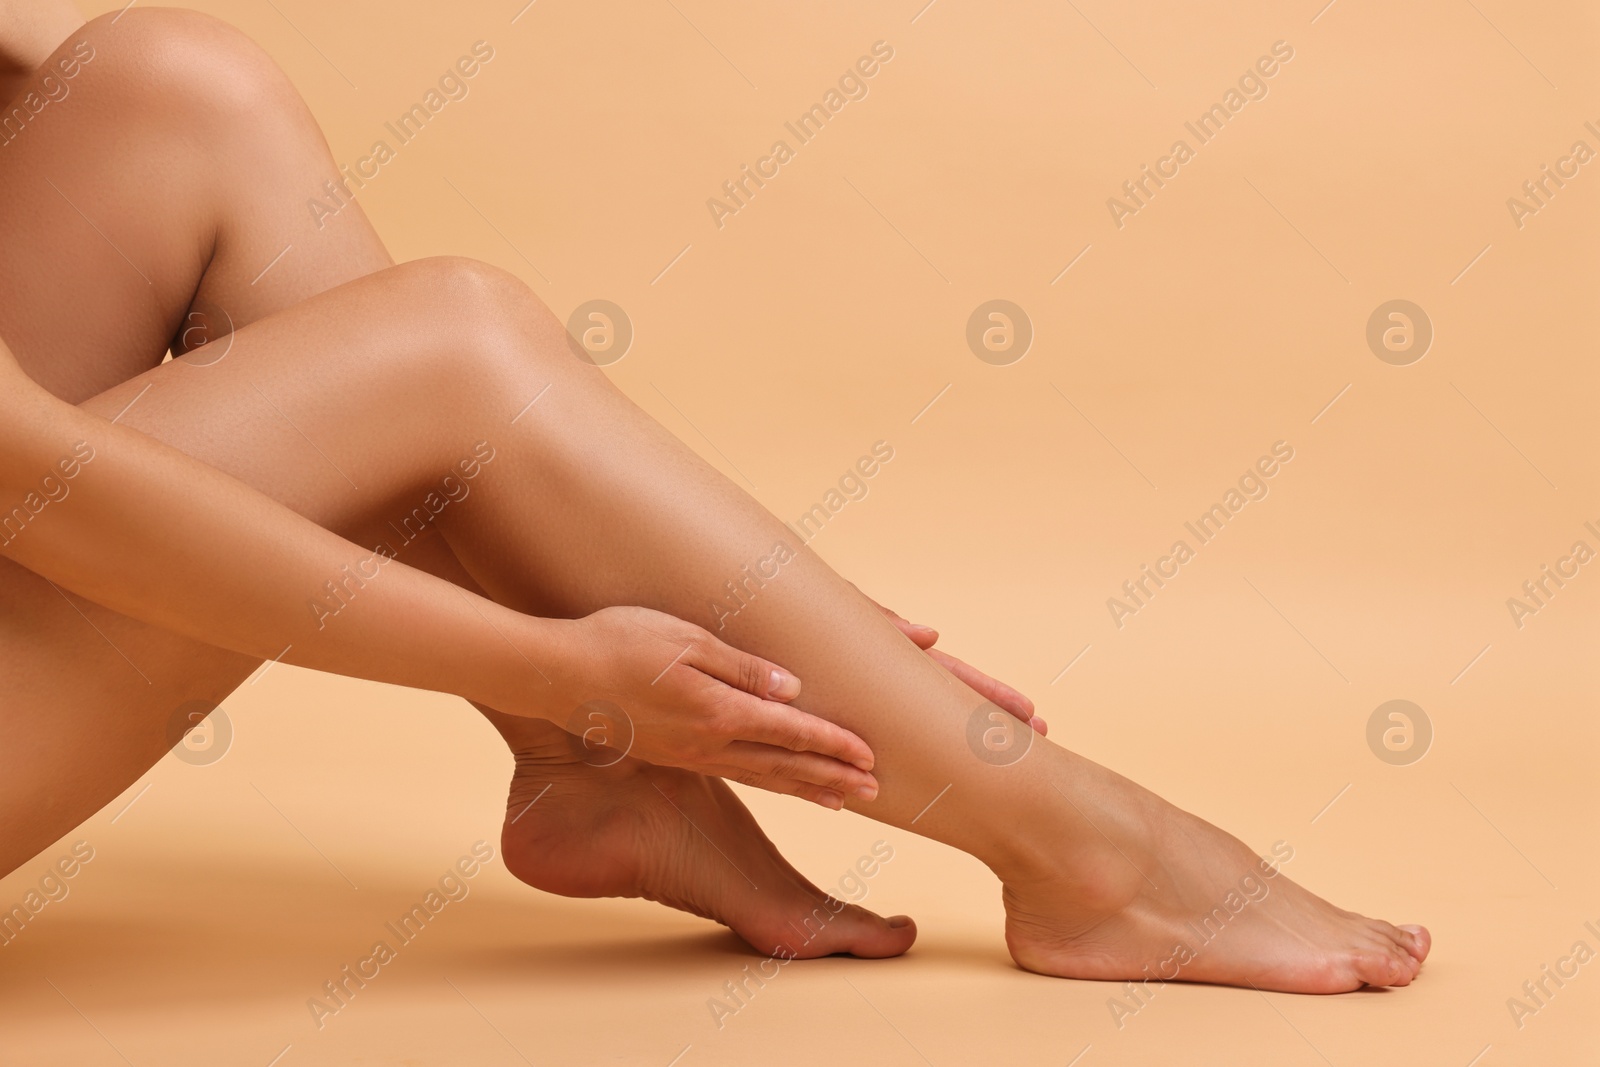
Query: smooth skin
pixel 238 479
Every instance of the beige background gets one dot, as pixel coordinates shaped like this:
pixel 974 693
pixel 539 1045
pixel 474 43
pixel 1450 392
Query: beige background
pixel 824 316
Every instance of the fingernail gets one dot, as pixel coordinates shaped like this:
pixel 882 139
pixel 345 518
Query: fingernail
pixel 831 800
pixel 924 629
pixel 1040 727
pixel 864 763
pixel 868 791
pixel 782 685
pixel 899 922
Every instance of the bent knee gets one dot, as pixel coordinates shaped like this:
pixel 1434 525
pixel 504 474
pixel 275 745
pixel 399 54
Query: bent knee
pixel 182 69
pixel 484 285
pixel 474 313
pixel 487 302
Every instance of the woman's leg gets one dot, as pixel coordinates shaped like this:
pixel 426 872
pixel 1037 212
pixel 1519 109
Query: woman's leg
pixel 588 502
pixel 159 197
pixel 143 207
pixel 1064 882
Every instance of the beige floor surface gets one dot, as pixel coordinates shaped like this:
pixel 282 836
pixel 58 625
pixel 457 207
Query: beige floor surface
pixel 1227 313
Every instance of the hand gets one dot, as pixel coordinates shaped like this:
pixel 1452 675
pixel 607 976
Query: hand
pixel 992 690
pixel 688 700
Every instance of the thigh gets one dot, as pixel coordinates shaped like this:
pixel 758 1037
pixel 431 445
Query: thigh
pixel 141 196
pixel 320 407
pixel 158 195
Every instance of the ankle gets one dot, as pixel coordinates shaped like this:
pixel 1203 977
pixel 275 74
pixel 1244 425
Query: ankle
pixel 1098 840
pixel 531 741
pixel 1040 854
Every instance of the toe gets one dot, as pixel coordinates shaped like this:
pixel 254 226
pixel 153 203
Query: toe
pixel 1381 965
pixel 1412 941
pixel 1398 970
pixel 869 935
pixel 1403 966
pixel 811 927
pixel 1392 933
pixel 1420 941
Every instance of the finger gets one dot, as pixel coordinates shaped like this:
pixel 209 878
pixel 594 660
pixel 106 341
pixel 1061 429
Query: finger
pixel 993 690
pixel 773 766
pixel 922 636
pixel 750 674
pixel 789 728
pixel 786 727
pixel 827 798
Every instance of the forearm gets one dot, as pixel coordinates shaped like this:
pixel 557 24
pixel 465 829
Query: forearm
pixel 139 527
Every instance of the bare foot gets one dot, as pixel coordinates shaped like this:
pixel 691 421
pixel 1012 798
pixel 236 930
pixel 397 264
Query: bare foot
pixel 681 839
pixel 1175 898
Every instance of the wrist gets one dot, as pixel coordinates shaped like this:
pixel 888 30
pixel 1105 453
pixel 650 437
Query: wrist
pixel 532 659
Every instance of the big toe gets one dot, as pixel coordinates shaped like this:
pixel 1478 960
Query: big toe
pixel 852 930
pixel 873 937
pixel 1420 941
